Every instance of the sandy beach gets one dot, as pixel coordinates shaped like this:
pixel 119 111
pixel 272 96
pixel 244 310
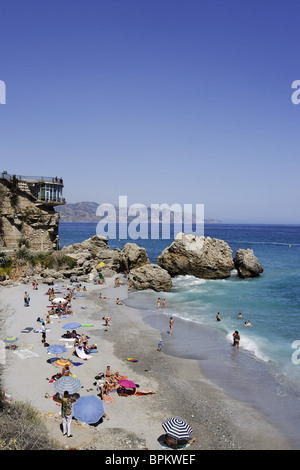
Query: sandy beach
pixel 134 423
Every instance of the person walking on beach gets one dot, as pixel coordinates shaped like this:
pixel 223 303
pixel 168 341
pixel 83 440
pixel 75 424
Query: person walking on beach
pixel 171 322
pixel 164 303
pixel 158 303
pixel 218 316
pixel 236 340
pixel 25 299
pixel 43 333
pixel 67 413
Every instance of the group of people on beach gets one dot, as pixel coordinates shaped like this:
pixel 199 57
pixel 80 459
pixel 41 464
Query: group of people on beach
pixel 159 302
pixel 110 381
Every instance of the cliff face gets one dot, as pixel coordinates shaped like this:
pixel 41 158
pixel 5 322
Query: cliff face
pixel 22 221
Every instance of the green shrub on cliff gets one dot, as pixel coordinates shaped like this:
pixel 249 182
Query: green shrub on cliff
pixel 6 263
pixel 21 428
pixel 57 260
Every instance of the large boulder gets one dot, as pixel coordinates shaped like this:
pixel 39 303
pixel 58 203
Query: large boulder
pixel 150 276
pixel 92 252
pixel 132 256
pixel 202 257
pixel 247 264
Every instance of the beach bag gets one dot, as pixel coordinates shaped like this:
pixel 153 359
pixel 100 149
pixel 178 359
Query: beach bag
pixel 99 376
pixel 124 392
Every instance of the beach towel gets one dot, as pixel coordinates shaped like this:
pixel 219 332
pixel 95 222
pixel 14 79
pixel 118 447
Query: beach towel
pixel 27 329
pixel 108 398
pixel 25 353
pixel 82 354
pixel 180 445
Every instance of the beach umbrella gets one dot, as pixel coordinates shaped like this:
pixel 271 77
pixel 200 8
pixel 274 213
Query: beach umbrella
pixel 67 384
pixel 70 326
pixel 177 428
pixel 59 299
pixel 61 363
pixel 56 349
pixel 88 409
pixel 11 339
pixel 127 383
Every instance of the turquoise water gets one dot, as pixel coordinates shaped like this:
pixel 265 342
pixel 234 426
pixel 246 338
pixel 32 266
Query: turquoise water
pixel 265 372
pixel 271 302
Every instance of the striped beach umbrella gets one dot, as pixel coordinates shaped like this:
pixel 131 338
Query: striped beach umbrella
pixel 177 428
pixel 67 384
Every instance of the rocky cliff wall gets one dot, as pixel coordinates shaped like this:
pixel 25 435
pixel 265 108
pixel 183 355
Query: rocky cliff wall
pixel 22 221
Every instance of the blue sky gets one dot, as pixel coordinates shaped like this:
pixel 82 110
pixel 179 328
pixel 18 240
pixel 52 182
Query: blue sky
pixel 163 101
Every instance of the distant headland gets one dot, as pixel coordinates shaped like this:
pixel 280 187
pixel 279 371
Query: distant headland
pixel 86 212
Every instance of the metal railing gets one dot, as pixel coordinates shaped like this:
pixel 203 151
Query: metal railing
pixel 46 179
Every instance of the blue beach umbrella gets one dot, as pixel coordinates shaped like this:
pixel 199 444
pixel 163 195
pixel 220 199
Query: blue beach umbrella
pixel 70 326
pixel 88 409
pixel 56 349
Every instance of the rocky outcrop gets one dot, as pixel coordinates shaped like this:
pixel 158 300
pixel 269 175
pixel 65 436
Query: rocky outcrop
pixel 207 258
pixel 247 264
pixel 94 255
pixel 150 276
pixel 23 222
pixel 90 254
pixel 132 256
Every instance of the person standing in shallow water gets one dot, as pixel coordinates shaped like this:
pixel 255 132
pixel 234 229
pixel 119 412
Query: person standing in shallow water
pixel 171 322
pixel 236 340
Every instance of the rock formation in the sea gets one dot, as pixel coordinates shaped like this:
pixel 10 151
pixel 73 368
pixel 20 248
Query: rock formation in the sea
pixel 247 264
pixel 132 256
pixel 150 276
pixel 202 257
pixel 23 222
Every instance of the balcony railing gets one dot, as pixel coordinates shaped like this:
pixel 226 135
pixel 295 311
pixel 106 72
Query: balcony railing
pixel 45 179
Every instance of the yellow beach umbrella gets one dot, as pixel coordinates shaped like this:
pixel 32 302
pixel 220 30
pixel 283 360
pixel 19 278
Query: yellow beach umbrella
pixel 62 363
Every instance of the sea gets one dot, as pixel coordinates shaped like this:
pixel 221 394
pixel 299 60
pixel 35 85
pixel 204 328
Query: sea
pixel 265 371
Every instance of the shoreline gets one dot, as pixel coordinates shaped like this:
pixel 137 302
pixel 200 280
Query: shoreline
pixel 218 421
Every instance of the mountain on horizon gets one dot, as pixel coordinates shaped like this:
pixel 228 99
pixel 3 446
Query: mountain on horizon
pixel 86 212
